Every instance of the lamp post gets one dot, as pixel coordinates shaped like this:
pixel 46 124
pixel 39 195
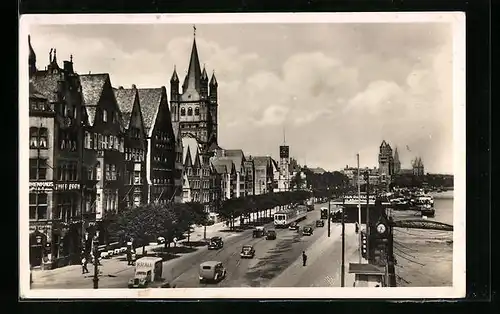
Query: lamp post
pixel 342 270
pixel 96 260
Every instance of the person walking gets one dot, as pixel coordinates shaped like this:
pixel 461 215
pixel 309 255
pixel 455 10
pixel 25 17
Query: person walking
pixel 84 265
pixel 304 258
pixel 357 227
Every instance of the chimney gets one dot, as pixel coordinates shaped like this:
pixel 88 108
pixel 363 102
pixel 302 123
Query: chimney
pixel 134 87
pixel 68 67
pixel 120 87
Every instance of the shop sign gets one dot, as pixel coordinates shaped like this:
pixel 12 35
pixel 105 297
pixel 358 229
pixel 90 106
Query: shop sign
pixel 41 186
pixel 66 186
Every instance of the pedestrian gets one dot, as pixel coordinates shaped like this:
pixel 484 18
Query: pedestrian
pixel 357 227
pixel 84 266
pixel 304 258
pixel 129 257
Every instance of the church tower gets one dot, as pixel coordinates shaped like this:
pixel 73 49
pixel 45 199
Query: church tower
pixel 397 162
pixel 284 166
pixel 31 59
pixel 195 107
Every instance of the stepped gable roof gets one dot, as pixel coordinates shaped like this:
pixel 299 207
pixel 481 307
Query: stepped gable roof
pixel 150 99
pixel 191 145
pixel 237 156
pixel 46 84
pixel 92 88
pixel 125 99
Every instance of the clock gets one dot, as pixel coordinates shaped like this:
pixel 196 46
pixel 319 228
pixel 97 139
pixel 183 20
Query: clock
pixel 381 228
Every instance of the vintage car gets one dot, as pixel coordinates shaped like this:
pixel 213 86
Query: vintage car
pixel 247 251
pixel 211 271
pixel 271 235
pixel 307 231
pixel 215 243
pixel 320 223
pixel 258 232
pixel 147 271
pixel 294 226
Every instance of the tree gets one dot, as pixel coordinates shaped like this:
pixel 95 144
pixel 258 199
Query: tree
pixel 144 223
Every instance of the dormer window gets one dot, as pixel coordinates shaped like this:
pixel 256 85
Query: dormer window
pixel 197 111
pixel 183 111
pixel 104 115
pixel 190 111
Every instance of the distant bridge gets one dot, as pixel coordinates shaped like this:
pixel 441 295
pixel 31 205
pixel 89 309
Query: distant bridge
pixel 422 224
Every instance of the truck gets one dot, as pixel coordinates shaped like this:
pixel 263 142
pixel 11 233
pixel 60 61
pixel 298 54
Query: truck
pixel 148 272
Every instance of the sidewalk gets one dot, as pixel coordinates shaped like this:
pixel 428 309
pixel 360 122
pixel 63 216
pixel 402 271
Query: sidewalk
pixel 114 265
pixel 324 260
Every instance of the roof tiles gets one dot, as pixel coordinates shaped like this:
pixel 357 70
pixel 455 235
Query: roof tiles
pixel 150 99
pixel 92 88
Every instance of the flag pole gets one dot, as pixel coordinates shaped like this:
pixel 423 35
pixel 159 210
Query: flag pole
pixel 359 212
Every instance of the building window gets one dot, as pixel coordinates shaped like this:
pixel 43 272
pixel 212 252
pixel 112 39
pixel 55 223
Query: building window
pixel 38 169
pixel 190 111
pixel 113 172
pixel 108 172
pixel 98 172
pixel 38 206
pixel 183 111
pixel 38 138
pixel 197 111
pixel 104 115
pixel 137 177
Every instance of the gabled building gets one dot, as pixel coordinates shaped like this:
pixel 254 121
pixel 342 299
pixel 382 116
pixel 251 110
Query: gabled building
pixel 249 176
pixel 197 173
pixel 179 166
pixel 263 174
pixel 162 146
pixel 61 194
pixel 225 169
pixel 135 189
pixel 238 159
pixel 104 136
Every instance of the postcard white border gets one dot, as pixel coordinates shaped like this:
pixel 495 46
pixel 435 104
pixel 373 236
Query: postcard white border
pixel 456 19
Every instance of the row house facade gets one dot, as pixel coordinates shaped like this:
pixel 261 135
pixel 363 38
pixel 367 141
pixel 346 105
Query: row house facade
pixel 263 174
pixel 197 175
pixel 226 173
pixel 105 141
pixel 60 190
pixel 238 159
pixel 162 173
pixel 135 189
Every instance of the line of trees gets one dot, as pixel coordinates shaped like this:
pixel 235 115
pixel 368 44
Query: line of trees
pixel 146 223
pixel 261 205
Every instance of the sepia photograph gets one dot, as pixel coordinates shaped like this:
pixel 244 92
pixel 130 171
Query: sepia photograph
pixel 213 155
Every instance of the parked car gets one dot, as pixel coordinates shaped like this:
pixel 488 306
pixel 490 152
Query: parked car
pixel 294 226
pixel 271 235
pixel 307 231
pixel 320 223
pixel 215 243
pixel 211 271
pixel 258 232
pixel 160 240
pixel 247 251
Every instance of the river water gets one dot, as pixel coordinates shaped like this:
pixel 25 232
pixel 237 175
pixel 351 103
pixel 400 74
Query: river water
pixel 425 257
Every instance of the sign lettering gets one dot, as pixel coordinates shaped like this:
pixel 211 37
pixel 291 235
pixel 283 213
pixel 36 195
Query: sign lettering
pixel 41 186
pixel 143 265
pixel 66 186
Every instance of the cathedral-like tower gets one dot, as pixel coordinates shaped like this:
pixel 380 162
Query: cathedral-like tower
pixel 385 160
pixel 397 162
pixel 195 108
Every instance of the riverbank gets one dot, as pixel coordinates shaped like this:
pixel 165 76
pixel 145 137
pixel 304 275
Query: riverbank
pixel 425 257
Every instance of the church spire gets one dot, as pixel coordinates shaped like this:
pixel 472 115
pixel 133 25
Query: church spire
pixel 213 80
pixel 396 155
pixel 192 80
pixel 175 78
pixel 31 58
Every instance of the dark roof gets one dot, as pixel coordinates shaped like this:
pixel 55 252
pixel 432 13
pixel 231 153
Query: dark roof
pixel 237 156
pixel 366 269
pixel 150 99
pixel 34 93
pixel 222 164
pixel 192 80
pixel 46 84
pixel 125 99
pixel 260 161
pixel 92 88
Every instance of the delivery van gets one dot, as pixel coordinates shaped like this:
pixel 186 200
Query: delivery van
pixel 147 270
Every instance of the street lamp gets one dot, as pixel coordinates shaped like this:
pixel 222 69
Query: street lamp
pixel 96 260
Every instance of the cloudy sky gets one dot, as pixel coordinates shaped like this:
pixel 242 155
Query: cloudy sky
pixel 337 89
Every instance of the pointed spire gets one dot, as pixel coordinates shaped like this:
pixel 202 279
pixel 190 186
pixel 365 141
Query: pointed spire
pixel 213 80
pixel 31 58
pixel 396 154
pixel 175 78
pixel 192 80
pixel 54 59
pixel 204 75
